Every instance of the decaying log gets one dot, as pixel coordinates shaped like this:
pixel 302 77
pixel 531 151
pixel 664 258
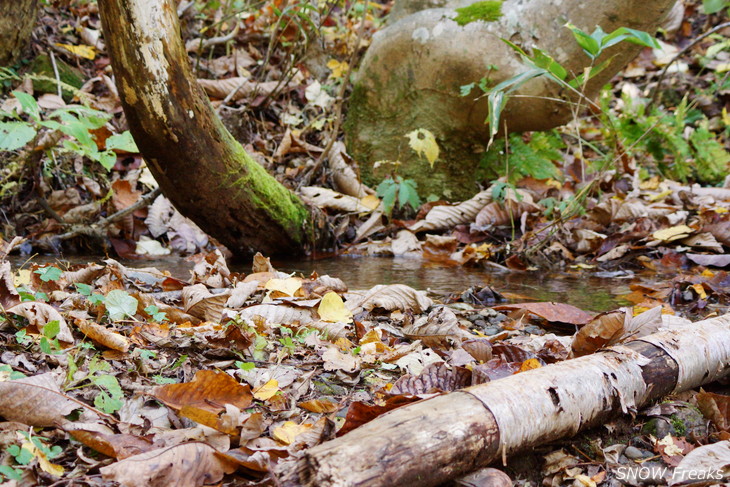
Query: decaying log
pixel 435 440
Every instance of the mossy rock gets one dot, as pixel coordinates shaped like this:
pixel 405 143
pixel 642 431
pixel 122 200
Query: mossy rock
pixel 43 66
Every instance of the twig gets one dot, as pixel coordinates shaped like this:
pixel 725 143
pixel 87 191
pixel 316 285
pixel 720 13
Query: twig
pixel 199 46
pixel 338 107
pixel 55 72
pixel 83 230
pixel 655 90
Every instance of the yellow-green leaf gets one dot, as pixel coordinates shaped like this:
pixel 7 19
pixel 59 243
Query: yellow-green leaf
pixel 672 233
pixel 287 286
pixel 333 309
pixel 267 391
pixel 86 52
pixel 424 143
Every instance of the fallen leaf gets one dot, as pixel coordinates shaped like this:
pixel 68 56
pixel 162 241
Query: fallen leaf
pixel 552 312
pixel 210 390
pixel 333 309
pixel 266 391
pixel 672 233
pixel 103 336
pixel 287 432
pixel 35 401
pixel 40 314
pixel 187 465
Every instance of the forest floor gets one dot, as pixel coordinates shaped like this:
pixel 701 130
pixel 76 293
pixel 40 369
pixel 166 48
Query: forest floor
pixel 110 369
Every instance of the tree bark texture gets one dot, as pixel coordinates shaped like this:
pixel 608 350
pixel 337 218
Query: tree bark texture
pixel 17 18
pixel 411 75
pixel 439 439
pixel 200 167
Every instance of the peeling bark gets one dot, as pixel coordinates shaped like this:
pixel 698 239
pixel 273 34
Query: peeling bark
pixel 17 18
pixel 439 439
pixel 411 76
pixel 200 167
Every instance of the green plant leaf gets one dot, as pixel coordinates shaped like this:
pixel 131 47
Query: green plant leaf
pixel 590 45
pixel 487 11
pixel 30 106
pixel 50 273
pixel 51 329
pixel 14 135
pixel 123 141
pixel 714 6
pixel 407 194
pixel 119 304
pixel 387 190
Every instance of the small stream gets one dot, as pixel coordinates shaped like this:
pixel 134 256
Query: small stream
pixel 587 291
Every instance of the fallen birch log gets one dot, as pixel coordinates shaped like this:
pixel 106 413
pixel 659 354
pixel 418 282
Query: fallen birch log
pixel 435 440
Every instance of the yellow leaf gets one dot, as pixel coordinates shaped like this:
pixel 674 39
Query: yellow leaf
pixel 43 462
pixel 333 309
pixel 720 210
pixel 287 286
pixel 660 196
pixel 288 431
pixel 86 52
pixel 529 364
pixel 650 184
pixel 21 278
pixel 708 273
pixel 339 69
pixel 424 143
pixel 672 233
pixel 700 290
pixel 725 117
pixel 371 201
pixel 267 391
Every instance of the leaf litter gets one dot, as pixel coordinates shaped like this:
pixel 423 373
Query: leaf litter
pixel 227 390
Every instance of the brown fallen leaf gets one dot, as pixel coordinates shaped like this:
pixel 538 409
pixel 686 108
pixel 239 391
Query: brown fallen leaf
pixel 389 297
pixel 40 314
pixel 716 408
pixel 210 390
pixel 9 296
pixel 552 312
pixel 103 336
pixel 187 465
pixel 360 413
pixel 35 401
pixel 102 439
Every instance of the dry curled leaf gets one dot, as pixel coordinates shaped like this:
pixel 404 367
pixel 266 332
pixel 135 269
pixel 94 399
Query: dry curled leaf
pixel 103 336
pixel 40 314
pixel 390 297
pixel 210 390
pixel 447 216
pixel 437 328
pixel 35 401
pixel 187 465
pixel 552 312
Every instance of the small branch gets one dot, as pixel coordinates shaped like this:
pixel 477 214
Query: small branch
pixel 55 72
pixel 338 107
pixel 199 46
pixel 104 222
pixel 662 75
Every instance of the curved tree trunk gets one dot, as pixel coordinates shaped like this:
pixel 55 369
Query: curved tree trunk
pixel 200 167
pixel 17 18
pixel 411 76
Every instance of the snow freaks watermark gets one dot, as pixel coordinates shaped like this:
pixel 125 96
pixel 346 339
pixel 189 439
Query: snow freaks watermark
pixel 677 475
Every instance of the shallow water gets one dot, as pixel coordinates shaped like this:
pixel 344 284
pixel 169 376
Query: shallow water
pixel 584 290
